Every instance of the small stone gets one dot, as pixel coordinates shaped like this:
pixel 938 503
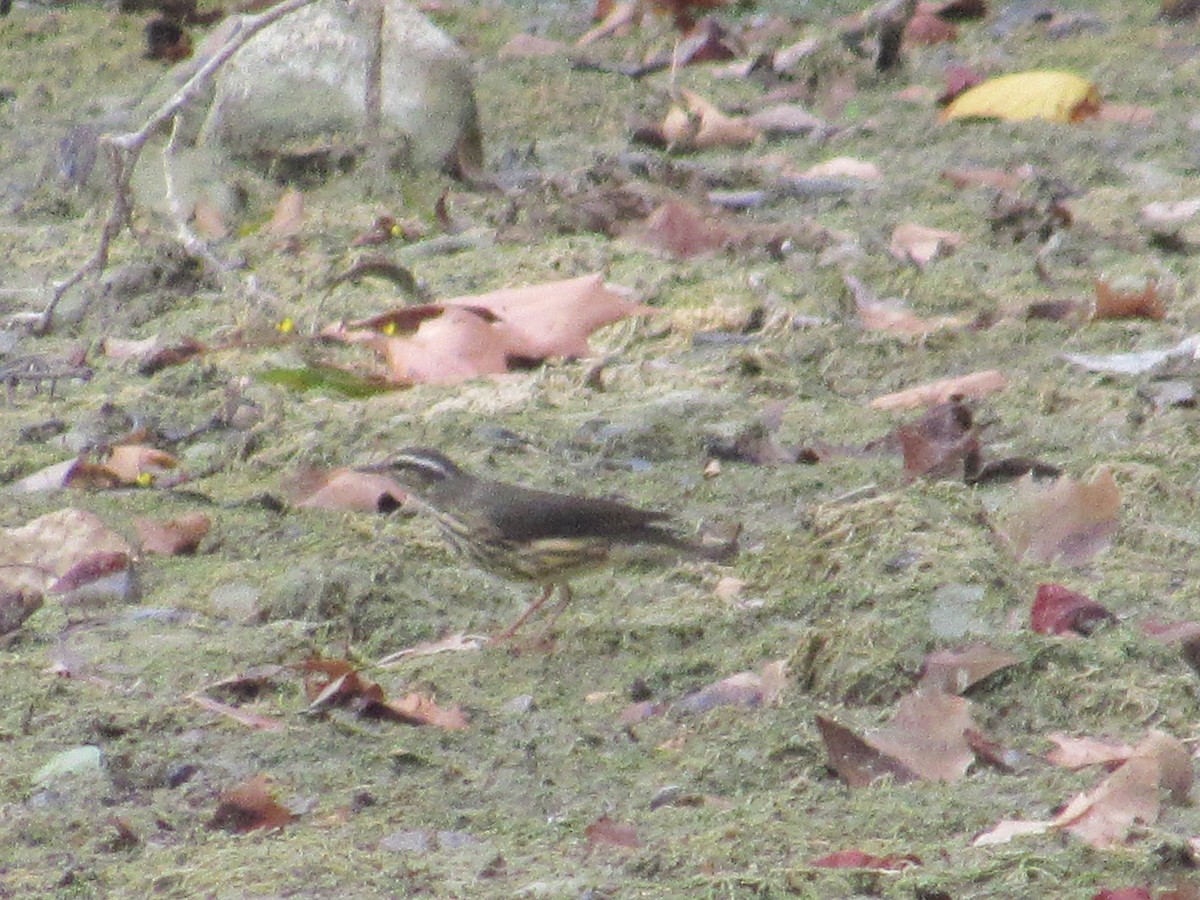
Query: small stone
pixel 520 705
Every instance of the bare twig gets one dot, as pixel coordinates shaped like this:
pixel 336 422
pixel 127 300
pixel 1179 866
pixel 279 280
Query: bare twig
pixel 125 149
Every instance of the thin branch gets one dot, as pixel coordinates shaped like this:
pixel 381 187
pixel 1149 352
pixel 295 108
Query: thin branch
pixel 125 149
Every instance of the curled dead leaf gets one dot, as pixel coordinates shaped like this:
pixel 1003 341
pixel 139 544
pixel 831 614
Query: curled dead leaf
pixel 1069 520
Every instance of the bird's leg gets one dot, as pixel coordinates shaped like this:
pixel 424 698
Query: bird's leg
pixel 564 593
pixel 524 617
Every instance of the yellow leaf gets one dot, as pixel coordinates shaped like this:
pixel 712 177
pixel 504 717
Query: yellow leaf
pixel 1054 96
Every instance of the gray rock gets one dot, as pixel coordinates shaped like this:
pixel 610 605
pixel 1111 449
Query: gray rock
pixel 301 84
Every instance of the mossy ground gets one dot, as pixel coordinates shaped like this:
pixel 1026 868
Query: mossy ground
pixel 834 600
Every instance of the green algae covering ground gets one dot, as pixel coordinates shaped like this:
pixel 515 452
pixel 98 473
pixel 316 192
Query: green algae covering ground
pixel 842 561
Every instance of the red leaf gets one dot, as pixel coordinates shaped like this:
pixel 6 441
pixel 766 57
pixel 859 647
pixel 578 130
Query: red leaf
pixel 1059 610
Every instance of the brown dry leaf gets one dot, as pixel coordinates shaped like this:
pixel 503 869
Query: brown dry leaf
pixel 556 317
pixel 1079 753
pixel 172 537
pixel 620 16
pixel 336 682
pixel 972 386
pixel 681 231
pixel 921 245
pixel 457 345
pixel 856 761
pixel 34 555
pixel 417 709
pixel 707 41
pixel 249 805
pixel 928 735
pixel 604 831
pixel 344 489
pixel 288 218
pixel 942 443
pixel 1104 816
pixel 1120 304
pixel 895 317
pixel 132 463
pixel 927 29
pixel 1070 521
pixel 954 671
pixel 698 125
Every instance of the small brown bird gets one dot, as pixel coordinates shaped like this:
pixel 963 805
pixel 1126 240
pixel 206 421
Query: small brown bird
pixel 525 534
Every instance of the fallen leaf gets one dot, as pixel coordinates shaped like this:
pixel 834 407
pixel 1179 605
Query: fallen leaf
pixel 891 315
pixel 1104 816
pixel 133 463
pixel 1125 893
pixel 921 245
pixel 1125 304
pixel 942 443
pixel 954 671
pixel 1079 753
pixel 681 231
pixel 336 682
pixel 553 319
pixel 698 125
pixel 972 386
pixel 607 832
pixel 172 537
pixel 707 41
pixel 1060 611
pixel 1146 361
pixel 857 762
pixel 926 29
pixel 344 489
pixel 1069 521
pixel 35 555
pixel 249 805
pixel 928 735
pixel 418 709
pixel 1054 96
